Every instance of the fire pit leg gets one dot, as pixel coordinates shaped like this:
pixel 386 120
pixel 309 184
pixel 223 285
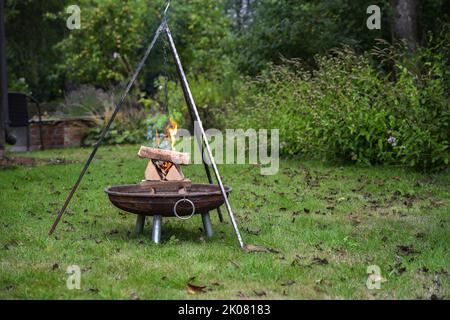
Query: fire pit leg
pixel 140 221
pixel 156 231
pixel 207 224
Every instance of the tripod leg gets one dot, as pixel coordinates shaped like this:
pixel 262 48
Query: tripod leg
pixel 140 221
pixel 156 231
pixel 208 174
pixel 207 224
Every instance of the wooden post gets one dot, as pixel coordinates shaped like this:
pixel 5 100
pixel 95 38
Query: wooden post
pixel 3 82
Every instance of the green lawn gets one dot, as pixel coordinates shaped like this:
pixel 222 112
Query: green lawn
pixel 329 223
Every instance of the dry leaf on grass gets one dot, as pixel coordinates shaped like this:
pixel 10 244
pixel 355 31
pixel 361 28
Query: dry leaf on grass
pixel 288 283
pixel 255 248
pixel 404 250
pixel 194 289
pixel 254 231
pixel 260 293
pixel 319 261
pixel 134 296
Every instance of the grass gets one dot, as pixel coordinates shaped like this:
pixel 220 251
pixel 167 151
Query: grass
pixel 328 223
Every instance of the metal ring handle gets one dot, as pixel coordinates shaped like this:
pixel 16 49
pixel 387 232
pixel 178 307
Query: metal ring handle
pixel 183 217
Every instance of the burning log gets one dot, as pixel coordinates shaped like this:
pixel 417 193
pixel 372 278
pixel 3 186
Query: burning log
pixel 162 165
pixel 175 157
pixel 174 173
pixel 158 170
pixel 151 172
pixel 165 186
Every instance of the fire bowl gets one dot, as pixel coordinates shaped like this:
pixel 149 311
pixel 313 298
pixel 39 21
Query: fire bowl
pixel 137 198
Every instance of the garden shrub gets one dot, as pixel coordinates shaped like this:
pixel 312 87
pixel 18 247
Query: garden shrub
pixel 211 95
pixel 348 109
pixel 130 123
pixel 141 116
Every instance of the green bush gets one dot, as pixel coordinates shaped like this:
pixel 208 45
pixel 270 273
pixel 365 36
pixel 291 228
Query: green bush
pixel 348 109
pixel 129 127
pixel 120 132
pixel 130 123
pixel 211 95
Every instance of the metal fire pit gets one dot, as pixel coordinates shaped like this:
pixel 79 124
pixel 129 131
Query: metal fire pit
pixel 166 201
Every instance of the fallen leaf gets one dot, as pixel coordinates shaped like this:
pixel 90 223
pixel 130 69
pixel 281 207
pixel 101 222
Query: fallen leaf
pixel 87 269
pixel 254 231
pixel 69 229
pixel 397 269
pixel 288 283
pixel 235 264
pixel 424 269
pixel 404 250
pixel 436 203
pixel 93 290
pixel 134 296
pixel 255 248
pixel 371 296
pixel 420 235
pixel 319 261
pixel 401 270
pixel 260 293
pixel 194 289
pixel 355 220
pixel 13 243
pixel 113 231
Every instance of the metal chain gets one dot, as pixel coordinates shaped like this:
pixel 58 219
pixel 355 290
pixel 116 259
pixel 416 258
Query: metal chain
pixel 166 9
pixel 166 76
pixel 165 62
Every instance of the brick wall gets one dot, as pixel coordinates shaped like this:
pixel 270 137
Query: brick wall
pixel 58 134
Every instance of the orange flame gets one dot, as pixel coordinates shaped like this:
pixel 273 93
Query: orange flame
pixel 171 131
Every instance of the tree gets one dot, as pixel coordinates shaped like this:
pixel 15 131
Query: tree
pixel 3 85
pixel 302 29
pixel 405 21
pixel 114 35
pixel 31 35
